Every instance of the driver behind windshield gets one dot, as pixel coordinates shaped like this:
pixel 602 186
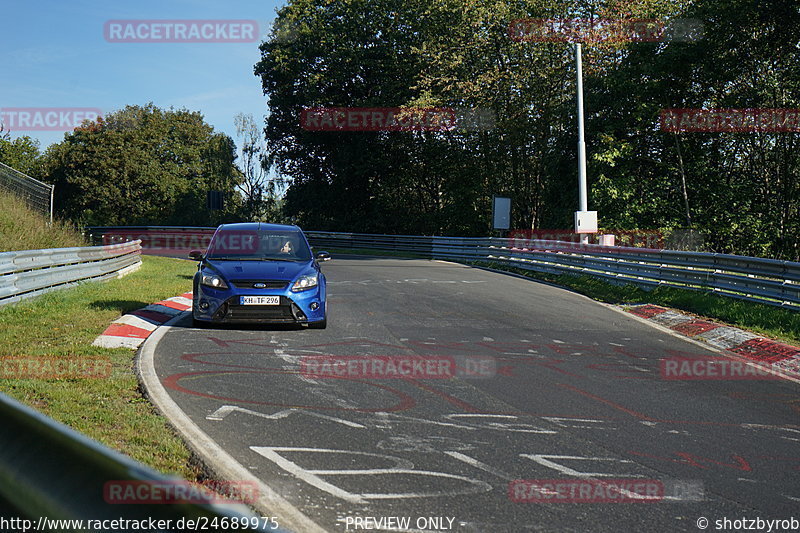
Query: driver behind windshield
pixel 286 246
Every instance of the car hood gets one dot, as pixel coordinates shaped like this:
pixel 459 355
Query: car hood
pixel 283 270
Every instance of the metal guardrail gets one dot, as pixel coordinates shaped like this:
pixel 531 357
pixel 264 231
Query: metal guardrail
pixel 766 281
pixel 29 273
pixel 51 472
pixel 160 236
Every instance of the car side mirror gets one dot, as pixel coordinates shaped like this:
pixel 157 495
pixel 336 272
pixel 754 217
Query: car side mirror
pixel 323 256
pixel 197 255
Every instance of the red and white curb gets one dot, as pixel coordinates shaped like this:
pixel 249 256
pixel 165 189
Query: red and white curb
pixel 782 357
pixel 130 330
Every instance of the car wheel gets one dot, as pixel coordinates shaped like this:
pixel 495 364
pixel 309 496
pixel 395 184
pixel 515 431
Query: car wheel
pixel 322 324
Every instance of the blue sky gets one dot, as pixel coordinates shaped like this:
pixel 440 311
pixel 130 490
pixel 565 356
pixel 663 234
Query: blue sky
pixel 55 55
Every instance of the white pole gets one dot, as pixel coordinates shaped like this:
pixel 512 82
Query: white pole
pixel 582 189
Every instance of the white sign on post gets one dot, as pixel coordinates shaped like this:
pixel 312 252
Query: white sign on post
pixel 585 221
pixel 502 212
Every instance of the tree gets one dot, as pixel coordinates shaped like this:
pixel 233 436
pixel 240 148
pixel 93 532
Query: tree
pixel 259 189
pixel 354 54
pixel 21 154
pixel 143 165
pixel 422 54
pixel 741 189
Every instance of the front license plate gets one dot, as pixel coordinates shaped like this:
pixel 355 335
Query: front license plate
pixel 259 300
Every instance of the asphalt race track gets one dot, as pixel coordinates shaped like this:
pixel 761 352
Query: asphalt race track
pixel 546 385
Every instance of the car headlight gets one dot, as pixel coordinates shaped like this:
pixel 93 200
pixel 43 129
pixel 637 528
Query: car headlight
pixel 304 283
pixel 213 280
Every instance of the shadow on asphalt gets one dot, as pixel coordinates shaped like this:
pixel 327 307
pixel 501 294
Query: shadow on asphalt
pixel 122 306
pixel 186 322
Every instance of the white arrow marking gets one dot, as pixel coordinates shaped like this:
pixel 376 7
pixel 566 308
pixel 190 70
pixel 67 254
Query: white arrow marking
pixel 225 410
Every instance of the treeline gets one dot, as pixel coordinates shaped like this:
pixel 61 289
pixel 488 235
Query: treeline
pixel 741 191
pixel 143 165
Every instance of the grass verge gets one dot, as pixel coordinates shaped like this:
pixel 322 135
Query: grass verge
pixel 766 320
pixel 111 410
pixel 21 228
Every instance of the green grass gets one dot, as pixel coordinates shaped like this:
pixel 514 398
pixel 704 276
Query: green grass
pixel 21 228
pixel 111 410
pixel 766 320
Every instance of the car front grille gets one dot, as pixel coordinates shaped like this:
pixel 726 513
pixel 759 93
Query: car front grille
pixel 232 310
pixel 250 283
pixel 259 312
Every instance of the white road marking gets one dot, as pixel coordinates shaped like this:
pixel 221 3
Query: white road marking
pixel 766 426
pixel 225 410
pixel 385 419
pixel 516 428
pixel 480 465
pixel 467 415
pixel 544 460
pixel 292 361
pixel 578 422
pixel 312 477
pixel 432 444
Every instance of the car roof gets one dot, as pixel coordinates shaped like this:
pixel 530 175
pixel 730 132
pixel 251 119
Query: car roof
pixel 258 226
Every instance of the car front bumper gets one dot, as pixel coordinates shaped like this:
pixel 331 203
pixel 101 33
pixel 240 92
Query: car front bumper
pixel 223 306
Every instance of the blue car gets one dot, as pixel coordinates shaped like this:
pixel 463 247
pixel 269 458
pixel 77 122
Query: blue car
pixel 262 273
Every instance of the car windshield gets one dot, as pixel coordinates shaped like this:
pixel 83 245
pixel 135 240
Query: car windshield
pixel 258 245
